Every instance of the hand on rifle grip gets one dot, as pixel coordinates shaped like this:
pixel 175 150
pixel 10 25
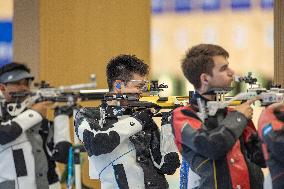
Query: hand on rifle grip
pixel 42 107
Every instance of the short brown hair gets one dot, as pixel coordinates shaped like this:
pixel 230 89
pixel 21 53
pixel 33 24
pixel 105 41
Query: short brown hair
pixel 198 60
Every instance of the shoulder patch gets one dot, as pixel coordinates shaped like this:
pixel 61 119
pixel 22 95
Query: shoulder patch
pixel 267 129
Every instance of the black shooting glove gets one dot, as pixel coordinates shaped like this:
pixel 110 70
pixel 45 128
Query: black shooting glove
pixel 61 152
pixel 145 118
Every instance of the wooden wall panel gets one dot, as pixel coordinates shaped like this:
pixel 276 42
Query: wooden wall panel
pixel 26 44
pixel 279 42
pixel 78 38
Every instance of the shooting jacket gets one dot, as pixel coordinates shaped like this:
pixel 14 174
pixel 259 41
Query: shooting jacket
pixel 224 150
pixel 271 131
pixel 123 153
pixel 29 147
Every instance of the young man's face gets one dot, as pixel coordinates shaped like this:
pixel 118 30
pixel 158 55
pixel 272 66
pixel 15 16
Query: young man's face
pixel 18 86
pixel 135 85
pixel 222 74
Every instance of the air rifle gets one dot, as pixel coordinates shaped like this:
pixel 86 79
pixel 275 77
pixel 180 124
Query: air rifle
pixel 69 94
pixel 255 91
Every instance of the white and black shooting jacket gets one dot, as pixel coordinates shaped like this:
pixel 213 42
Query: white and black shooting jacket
pixel 29 147
pixel 127 151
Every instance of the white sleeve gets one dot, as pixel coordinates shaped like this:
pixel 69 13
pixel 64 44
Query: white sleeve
pixel 28 119
pixel 61 128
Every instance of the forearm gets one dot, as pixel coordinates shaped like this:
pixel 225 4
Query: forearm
pixel 101 140
pixel 61 128
pixel 163 149
pixel 12 129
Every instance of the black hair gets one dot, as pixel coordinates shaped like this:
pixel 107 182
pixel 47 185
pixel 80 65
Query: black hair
pixel 122 67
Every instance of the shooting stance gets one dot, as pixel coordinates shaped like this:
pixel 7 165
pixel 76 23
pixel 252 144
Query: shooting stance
pixel 123 144
pixel 29 143
pixel 223 149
